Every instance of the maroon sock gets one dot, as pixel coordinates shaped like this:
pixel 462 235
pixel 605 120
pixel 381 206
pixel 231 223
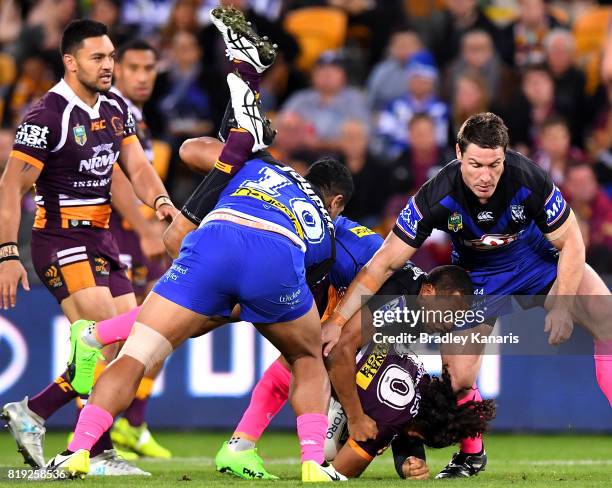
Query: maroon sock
pixel 103 444
pixel 135 413
pixel 236 152
pixel 53 397
pixel 249 74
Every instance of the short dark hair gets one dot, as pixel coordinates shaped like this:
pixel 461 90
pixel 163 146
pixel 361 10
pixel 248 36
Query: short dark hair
pixel 449 279
pixel 331 177
pixel 536 67
pixel 553 121
pixel 441 421
pixel 485 130
pixel 134 45
pixel 421 116
pixel 79 30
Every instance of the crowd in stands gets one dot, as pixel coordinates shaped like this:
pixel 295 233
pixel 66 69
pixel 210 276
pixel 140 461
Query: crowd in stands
pixel 382 84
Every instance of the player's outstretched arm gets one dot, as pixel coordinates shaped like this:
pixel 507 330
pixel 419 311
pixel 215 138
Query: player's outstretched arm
pixel 392 255
pixel 570 268
pixel 201 153
pixel 17 179
pixel 126 202
pixel 341 368
pixel 147 184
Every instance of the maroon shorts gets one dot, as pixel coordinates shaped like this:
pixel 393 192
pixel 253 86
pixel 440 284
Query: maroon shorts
pixel 141 270
pixel 68 260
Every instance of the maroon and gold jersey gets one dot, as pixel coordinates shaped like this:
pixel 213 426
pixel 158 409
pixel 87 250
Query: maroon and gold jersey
pixel 388 382
pixel 75 146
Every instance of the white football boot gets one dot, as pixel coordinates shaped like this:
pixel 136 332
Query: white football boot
pixel 247 111
pixel 109 463
pixel 28 430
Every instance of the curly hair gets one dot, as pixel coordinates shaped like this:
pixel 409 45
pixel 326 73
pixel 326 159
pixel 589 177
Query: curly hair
pixel 441 421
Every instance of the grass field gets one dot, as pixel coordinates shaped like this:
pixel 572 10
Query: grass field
pixel 514 460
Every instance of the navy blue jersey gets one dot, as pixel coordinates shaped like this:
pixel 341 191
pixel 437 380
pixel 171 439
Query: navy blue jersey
pixel 525 205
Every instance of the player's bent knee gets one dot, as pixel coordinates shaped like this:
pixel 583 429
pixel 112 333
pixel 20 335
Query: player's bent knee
pixel 146 346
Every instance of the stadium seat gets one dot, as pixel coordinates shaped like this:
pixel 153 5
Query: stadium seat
pixel 316 29
pixel 590 30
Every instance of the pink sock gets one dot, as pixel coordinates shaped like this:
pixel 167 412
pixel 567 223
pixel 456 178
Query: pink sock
pixel 603 367
pixel 269 396
pixel 311 430
pixel 471 445
pixel 116 329
pixel 93 422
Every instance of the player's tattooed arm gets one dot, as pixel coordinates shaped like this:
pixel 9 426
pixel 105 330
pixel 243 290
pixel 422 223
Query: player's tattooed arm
pixel 17 179
pixel 342 371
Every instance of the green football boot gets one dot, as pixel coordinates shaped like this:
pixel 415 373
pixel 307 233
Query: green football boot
pixel 83 359
pixel 137 439
pixel 244 464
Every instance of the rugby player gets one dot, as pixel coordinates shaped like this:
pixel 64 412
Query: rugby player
pixel 141 247
pixel 251 250
pixel 68 144
pixel 514 231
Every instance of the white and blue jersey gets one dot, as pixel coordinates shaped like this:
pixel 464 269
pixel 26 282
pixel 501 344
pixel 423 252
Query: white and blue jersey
pixel 260 266
pixel 502 242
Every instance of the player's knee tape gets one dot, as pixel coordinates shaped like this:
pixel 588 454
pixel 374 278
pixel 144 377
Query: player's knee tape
pixel 147 346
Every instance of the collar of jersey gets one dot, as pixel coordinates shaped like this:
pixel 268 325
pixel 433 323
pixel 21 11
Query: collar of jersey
pixel 63 89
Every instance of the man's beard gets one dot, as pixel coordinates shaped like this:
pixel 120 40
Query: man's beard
pixel 93 87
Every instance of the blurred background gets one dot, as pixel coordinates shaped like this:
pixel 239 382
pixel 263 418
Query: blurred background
pixel 382 84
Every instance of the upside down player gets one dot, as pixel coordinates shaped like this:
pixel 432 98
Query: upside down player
pixel 141 249
pixel 513 230
pixel 250 250
pixel 422 410
pixel 68 144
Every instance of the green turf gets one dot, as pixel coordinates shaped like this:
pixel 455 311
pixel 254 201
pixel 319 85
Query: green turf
pixel 514 460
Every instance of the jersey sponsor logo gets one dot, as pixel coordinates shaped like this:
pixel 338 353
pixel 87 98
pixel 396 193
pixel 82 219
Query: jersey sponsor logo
pixel 486 216
pixel 517 212
pixel 455 222
pixel 98 125
pixel 32 135
pixel 290 298
pixel 372 364
pixel 362 231
pixel 554 206
pixel 490 241
pixel 80 135
pixel 102 161
pixel 267 199
pixel 409 218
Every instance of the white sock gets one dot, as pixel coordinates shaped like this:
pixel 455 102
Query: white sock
pixel 238 444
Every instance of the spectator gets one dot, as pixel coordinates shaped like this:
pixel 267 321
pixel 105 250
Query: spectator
pixel 387 80
pixel 569 80
pixel 108 12
pixel 291 141
pixel 420 98
pixel 470 97
pixel 42 32
pixel 183 17
pixel 368 177
pixel 10 21
pixel 533 106
pixel 593 208
pixel 443 34
pixel 524 38
pixel 35 80
pixel 329 103
pixel 185 102
pixel 556 153
pixel 420 161
pixel 478 56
